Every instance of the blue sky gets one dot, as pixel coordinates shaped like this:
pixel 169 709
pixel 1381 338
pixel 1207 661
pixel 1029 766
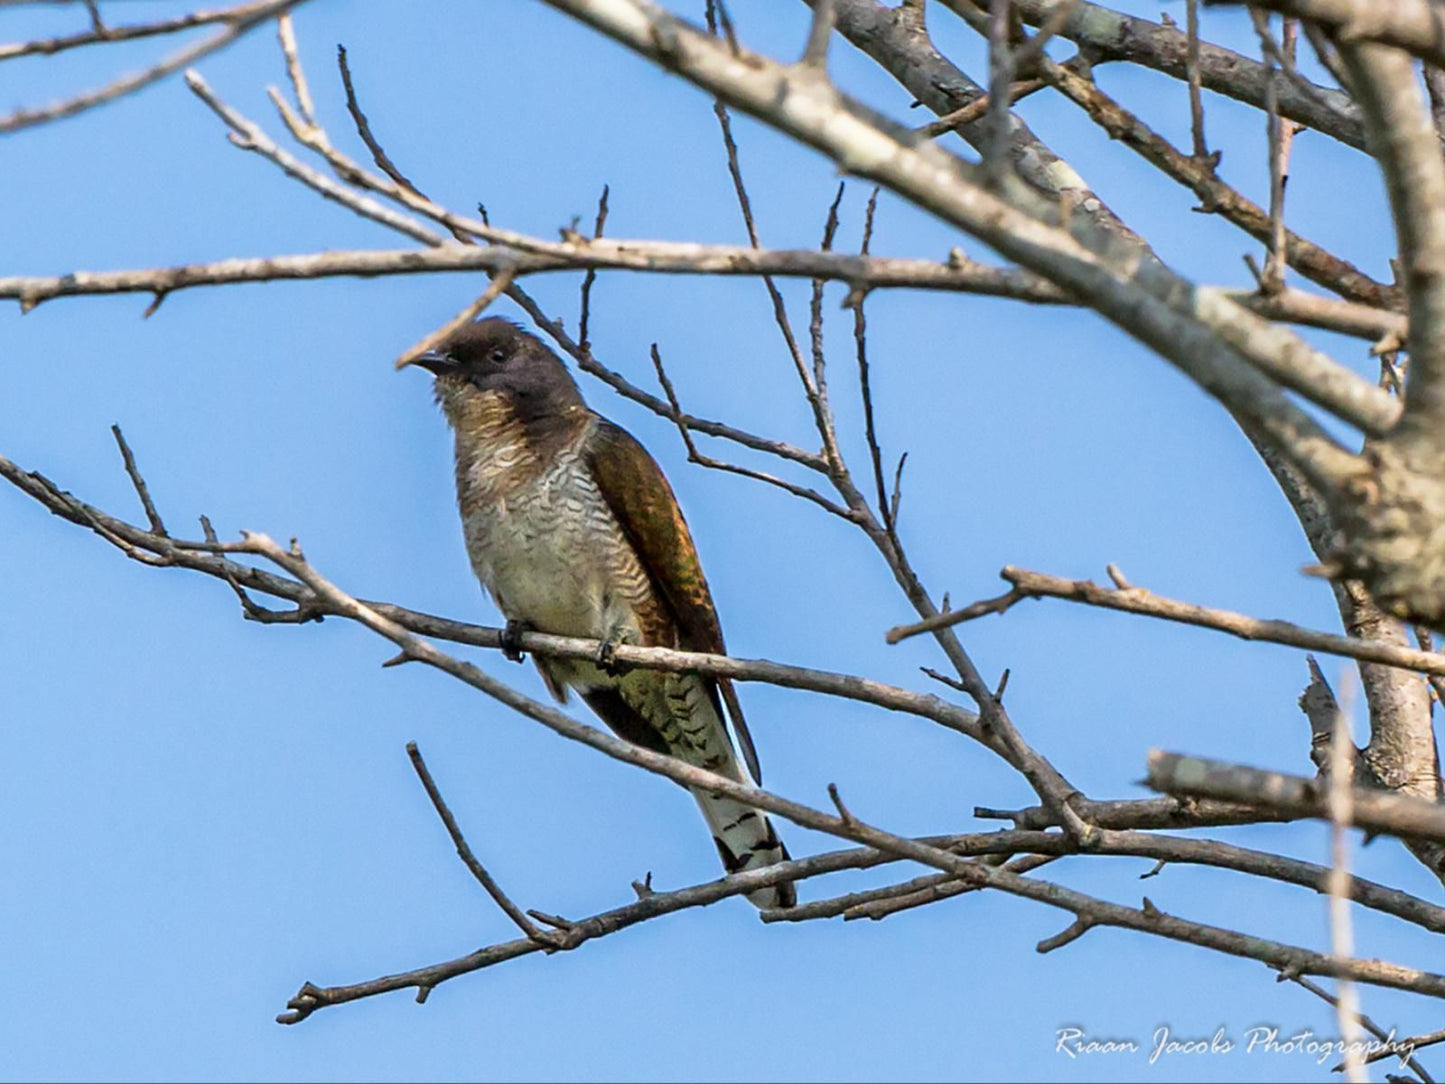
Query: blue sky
pixel 198 813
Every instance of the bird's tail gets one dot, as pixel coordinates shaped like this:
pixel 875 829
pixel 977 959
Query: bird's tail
pixel 745 840
pixel 682 715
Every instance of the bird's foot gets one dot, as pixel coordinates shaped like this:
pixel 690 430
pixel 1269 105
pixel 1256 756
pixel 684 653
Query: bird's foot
pixel 512 640
pixel 607 657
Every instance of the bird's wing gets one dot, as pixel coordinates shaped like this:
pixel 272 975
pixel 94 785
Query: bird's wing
pixel 642 501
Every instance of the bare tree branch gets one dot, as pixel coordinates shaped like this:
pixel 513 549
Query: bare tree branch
pixel 1377 811
pixel 660 257
pixel 1215 196
pixel 240 20
pixel 1417 26
pixel 208 558
pixel 1167 849
pixel 1373 518
pixel 900 44
pixel 105 34
pixel 312 997
pixel 1393 1047
pixel 1148 919
pixel 848 825
pixel 1404 142
pixel 1112 36
pixel 870 146
pixel 546 938
pixel 1137 600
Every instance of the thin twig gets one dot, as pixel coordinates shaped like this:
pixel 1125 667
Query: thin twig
pixel 967 114
pixel 1137 600
pixel 247 135
pixel 694 456
pixel 945 888
pixel 152 516
pixel 1412 1043
pixel 500 281
pixel 1216 197
pixel 1108 35
pixel 1080 926
pixel 1281 137
pixel 1392 1047
pixel 815 308
pixel 816 400
pixel 538 256
pixel 102 34
pixel 238 25
pixel 585 315
pixel 1027 54
pixel 820 30
pixel 865 385
pixel 286 34
pixel 469 858
pixel 717 15
pixel 363 127
pixel 1196 97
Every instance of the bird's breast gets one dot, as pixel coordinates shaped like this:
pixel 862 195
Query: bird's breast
pixel 545 543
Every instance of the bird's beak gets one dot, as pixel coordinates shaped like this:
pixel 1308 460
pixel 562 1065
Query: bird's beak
pixel 435 362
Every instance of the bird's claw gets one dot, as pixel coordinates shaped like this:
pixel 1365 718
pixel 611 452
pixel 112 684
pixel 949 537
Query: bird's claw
pixel 607 657
pixel 512 640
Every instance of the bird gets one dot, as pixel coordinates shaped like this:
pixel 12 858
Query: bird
pixel 573 530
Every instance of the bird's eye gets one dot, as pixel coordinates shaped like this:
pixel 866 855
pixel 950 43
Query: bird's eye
pixel 498 355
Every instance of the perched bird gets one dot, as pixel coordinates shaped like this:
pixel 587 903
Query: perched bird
pixel 573 530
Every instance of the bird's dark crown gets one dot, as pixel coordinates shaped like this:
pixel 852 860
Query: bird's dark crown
pixel 483 346
pixel 496 355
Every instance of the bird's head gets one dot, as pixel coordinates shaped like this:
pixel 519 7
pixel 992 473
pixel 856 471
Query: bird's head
pixel 493 365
